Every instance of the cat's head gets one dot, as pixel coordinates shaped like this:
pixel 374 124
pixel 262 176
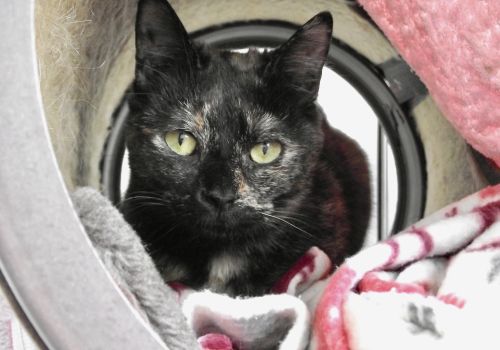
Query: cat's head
pixel 221 138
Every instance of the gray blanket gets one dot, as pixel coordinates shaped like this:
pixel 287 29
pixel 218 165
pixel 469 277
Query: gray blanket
pixel 132 270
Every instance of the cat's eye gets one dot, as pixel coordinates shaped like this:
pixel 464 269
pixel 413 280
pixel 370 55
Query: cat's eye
pixel 181 142
pixel 265 152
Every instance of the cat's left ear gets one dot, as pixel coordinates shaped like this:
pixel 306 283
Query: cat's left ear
pixel 298 63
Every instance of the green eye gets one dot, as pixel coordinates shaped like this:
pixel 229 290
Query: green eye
pixel 265 152
pixel 181 142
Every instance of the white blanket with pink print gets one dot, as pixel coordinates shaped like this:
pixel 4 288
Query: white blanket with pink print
pixel 436 285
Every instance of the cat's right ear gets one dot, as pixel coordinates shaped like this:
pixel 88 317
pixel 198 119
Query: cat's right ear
pixel 162 43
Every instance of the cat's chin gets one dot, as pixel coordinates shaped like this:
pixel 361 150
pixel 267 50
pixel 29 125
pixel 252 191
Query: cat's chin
pixel 229 223
pixel 226 217
pixel 223 224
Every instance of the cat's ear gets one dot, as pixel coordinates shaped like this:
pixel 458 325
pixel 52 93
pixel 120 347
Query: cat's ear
pixel 161 39
pixel 298 63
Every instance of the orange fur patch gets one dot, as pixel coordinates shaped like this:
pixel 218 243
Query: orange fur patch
pixel 199 121
pixel 242 185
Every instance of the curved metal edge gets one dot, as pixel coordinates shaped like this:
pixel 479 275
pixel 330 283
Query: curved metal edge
pixel 112 157
pixel 45 255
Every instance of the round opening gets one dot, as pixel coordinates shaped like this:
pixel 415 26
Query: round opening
pixel 355 99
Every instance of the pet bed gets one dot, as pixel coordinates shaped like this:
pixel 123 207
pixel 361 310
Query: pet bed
pixel 410 280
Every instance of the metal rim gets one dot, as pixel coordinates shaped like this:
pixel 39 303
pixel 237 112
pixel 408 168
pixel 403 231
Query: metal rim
pixel 45 255
pixel 367 78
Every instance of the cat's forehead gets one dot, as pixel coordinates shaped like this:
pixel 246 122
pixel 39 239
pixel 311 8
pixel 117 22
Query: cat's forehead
pixel 233 69
pixel 231 94
pixel 232 115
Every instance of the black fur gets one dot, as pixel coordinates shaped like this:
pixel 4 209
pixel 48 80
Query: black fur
pixel 218 204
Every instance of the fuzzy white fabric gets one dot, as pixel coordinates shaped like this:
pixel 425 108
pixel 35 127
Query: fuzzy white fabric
pixel 250 323
pixel 393 320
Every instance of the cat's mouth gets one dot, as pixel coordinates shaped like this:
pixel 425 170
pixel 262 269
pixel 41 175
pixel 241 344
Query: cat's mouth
pixel 229 219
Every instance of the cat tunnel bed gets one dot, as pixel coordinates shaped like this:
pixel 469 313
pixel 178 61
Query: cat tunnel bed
pixel 66 67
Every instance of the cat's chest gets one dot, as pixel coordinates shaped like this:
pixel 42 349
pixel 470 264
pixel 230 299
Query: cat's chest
pixel 224 268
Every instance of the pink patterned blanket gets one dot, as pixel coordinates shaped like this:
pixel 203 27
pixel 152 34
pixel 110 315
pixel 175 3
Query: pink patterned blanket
pixel 435 285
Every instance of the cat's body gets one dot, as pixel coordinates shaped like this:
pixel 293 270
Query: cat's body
pixel 266 179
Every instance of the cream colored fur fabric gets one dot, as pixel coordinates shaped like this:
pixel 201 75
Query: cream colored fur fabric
pixel 85 63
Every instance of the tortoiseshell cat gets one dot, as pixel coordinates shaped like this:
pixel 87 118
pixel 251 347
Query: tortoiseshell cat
pixel 235 172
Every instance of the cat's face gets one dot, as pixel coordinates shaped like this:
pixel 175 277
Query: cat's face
pixel 223 140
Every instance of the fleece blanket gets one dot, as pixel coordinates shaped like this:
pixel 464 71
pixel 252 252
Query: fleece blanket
pixel 454 47
pixel 433 286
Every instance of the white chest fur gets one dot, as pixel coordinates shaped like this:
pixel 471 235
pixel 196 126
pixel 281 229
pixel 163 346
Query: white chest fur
pixel 222 268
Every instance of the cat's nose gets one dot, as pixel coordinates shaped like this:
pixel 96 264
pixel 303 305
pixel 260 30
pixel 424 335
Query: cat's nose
pixel 216 198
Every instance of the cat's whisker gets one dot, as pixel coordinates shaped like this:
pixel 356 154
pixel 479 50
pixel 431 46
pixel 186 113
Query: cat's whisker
pixel 160 233
pixel 277 243
pixel 139 196
pixel 157 237
pixel 140 208
pixel 295 217
pixel 144 198
pixel 288 223
pixel 291 214
pixel 151 193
